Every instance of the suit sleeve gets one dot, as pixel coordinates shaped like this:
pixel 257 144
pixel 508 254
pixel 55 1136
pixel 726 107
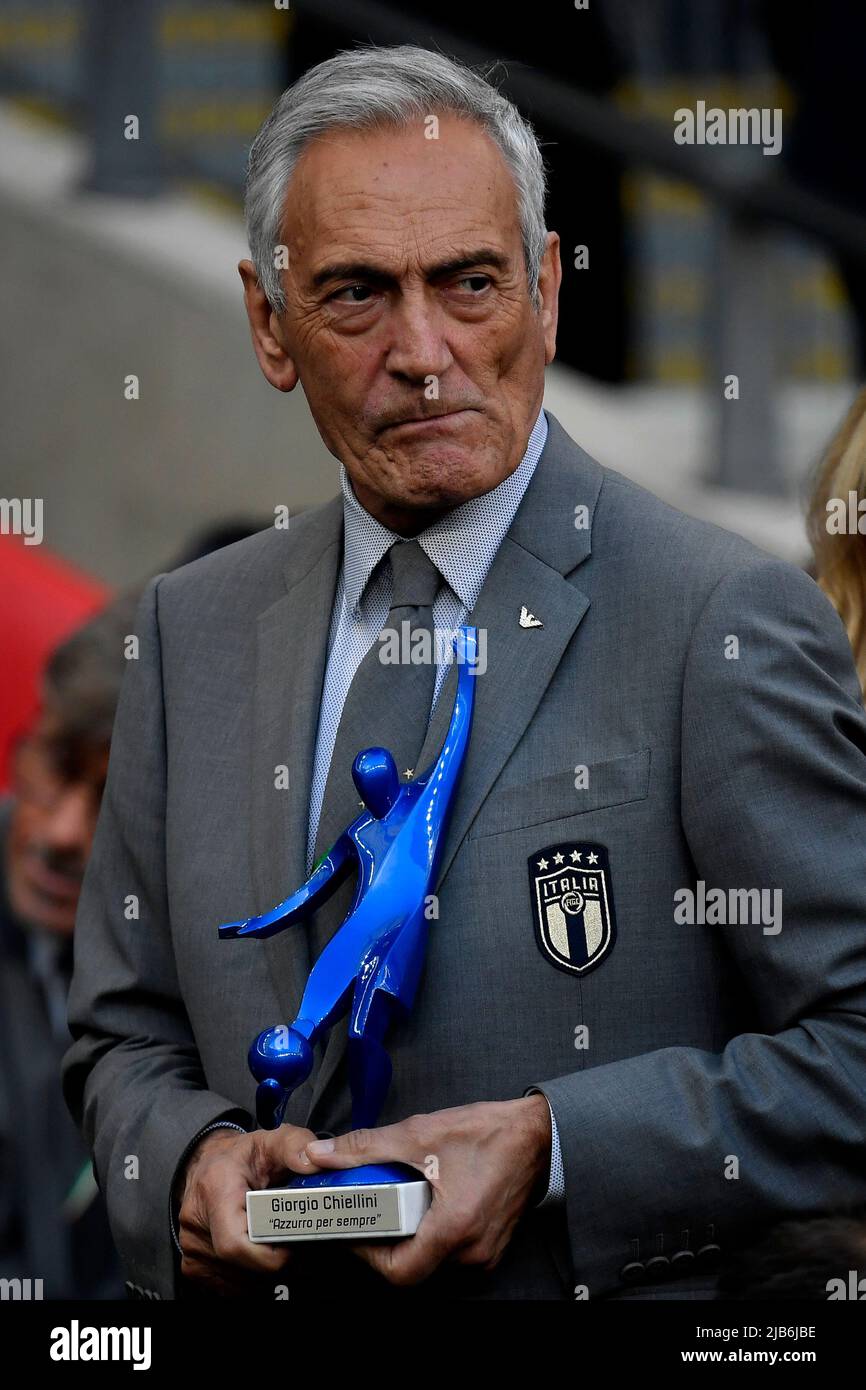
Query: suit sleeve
pixel 133 1077
pixel 773 787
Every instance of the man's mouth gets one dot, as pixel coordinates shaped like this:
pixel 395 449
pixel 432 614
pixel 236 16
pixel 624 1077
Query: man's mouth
pixel 419 424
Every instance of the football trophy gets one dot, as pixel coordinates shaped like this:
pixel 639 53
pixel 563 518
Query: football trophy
pixel 371 968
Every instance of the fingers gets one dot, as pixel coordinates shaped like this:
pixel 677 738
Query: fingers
pixel 410 1261
pixel 214 1240
pixel 445 1233
pixel 280 1153
pixel 213 1225
pixel 481 1161
pixel 228 1257
pixel 403 1262
pixel 229 1238
pixel 398 1143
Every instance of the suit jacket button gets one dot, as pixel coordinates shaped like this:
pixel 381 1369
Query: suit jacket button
pixel 709 1256
pixel 658 1267
pixel 633 1273
pixel 682 1262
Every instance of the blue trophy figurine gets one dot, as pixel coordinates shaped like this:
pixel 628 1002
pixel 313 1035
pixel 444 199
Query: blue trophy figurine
pixel 371 967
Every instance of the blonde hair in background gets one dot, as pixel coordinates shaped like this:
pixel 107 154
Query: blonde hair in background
pixel 840 559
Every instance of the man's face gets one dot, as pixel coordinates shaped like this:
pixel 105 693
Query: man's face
pixel 57 796
pixel 407 298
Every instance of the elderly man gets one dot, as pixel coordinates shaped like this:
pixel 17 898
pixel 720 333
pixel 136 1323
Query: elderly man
pixel 614 1068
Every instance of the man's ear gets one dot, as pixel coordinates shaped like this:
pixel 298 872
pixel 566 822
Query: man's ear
pixel 549 280
pixel 266 332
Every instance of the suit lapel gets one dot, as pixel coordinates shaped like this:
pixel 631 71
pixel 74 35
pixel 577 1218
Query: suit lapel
pixel 291 651
pixel 542 546
pixel 520 664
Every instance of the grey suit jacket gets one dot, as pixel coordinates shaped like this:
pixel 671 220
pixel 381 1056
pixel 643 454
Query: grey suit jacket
pixel 700 1044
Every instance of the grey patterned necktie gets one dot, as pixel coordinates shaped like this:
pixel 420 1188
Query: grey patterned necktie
pixel 387 704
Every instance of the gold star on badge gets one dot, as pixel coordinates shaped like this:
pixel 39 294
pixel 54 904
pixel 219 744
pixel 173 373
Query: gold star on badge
pixel 558 858
pixel 542 863
pixel 575 855
pixel 592 858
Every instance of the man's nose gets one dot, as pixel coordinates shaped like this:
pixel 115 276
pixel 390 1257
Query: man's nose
pixel 69 825
pixel 419 346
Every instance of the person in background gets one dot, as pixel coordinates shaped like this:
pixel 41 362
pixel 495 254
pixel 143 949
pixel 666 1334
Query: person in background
pixel 839 549
pixel 53 1224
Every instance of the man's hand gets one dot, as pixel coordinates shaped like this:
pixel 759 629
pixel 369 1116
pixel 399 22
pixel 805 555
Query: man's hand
pixel 217 1250
pixel 482 1162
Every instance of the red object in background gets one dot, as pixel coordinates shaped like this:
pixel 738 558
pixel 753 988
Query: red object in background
pixel 42 600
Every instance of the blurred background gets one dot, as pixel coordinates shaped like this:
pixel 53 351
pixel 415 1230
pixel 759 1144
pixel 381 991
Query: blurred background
pixel 139 432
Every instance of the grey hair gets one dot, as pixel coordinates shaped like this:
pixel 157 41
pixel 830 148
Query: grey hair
pixel 371 87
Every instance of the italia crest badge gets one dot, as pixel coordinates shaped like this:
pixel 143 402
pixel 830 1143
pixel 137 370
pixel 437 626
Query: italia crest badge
pixel 573 905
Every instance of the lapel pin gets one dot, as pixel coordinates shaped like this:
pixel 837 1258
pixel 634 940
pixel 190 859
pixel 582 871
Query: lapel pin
pixel 528 619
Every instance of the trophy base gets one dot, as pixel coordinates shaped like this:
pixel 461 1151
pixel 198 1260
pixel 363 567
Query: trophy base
pixel 384 1200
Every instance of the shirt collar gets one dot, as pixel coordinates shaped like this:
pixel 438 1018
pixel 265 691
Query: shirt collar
pixel 462 544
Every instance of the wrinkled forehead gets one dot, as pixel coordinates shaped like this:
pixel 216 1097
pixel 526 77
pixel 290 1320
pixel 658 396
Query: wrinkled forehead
pixel 400 183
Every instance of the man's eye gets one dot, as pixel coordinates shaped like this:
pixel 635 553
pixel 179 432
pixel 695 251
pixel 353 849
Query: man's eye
pixel 476 282
pixel 351 289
